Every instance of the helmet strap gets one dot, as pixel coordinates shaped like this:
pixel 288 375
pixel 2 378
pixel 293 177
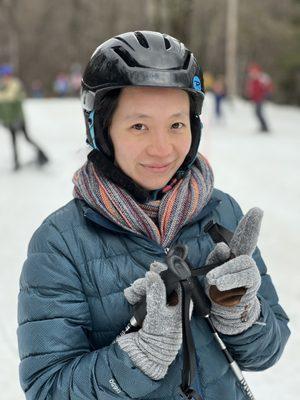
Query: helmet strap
pixel 92 139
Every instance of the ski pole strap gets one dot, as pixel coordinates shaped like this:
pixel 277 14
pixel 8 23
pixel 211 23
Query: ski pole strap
pixel 189 353
pixel 218 233
pixel 190 394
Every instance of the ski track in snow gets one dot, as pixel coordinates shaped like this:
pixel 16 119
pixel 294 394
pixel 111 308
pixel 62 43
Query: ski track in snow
pixel 257 169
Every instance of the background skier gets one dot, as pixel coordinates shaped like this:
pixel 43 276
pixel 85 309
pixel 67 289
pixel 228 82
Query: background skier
pixel 258 88
pixel 12 95
pixel 219 91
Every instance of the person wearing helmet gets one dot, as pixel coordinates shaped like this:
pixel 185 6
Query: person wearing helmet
pixel 143 190
pixel 11 113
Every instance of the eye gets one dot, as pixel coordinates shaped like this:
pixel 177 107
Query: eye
pixel 139 127
pixel 177 125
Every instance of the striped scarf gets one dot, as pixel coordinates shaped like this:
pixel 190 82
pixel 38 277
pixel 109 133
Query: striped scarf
pixel 160 220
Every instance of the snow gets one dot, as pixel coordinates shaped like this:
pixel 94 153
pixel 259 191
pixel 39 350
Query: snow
pixel 257 169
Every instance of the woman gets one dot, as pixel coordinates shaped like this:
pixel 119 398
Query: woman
pixel 143 190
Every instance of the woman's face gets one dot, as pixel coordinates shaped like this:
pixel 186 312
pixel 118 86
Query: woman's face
pixel 151 134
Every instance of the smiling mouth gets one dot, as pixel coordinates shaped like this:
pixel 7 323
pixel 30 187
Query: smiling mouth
pixel 157 167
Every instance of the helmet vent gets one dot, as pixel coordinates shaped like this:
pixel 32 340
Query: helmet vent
pixel 187 61
pixel 124 41
pixel 122 53
pixel 141 39
pixel 167 43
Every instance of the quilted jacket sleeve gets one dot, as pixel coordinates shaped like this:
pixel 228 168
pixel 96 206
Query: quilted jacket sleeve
pixel 260 346
pixel 54 319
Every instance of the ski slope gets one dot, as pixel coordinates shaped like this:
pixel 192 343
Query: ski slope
pixel 257 169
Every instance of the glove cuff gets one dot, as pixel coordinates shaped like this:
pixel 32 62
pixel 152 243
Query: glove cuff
pixel 151 368
pixel 237 319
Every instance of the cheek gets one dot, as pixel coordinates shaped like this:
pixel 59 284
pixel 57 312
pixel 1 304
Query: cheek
pixel 120 154
pixel 125 154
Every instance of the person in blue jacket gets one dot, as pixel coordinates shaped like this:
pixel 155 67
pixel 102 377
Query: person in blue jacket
pixel 143 189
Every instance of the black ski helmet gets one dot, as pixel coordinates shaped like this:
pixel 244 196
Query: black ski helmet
pixel 146 59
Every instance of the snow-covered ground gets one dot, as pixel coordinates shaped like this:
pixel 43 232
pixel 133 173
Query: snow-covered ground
pixel 257 169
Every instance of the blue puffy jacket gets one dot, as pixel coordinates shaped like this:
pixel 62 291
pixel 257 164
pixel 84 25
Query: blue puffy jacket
pixel 72 307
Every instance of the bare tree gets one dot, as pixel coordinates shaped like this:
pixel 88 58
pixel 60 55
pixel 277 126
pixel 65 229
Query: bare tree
pixel 231 47
pixel 10 47
pixel 41 37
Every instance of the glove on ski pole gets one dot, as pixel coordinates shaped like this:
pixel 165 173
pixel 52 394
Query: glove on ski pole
pixel 232 287
pixel 137 290
pixel 155 346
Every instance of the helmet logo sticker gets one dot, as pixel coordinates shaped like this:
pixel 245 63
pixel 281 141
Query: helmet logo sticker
pixel 197 83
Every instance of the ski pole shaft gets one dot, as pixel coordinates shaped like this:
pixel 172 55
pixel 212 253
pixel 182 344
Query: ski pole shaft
pixel 233 364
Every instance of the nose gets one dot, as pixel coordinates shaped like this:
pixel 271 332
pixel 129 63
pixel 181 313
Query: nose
pixel 160 145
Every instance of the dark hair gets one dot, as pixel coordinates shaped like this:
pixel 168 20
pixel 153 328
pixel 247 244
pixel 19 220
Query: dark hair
pixel 105 112
pixel 103 117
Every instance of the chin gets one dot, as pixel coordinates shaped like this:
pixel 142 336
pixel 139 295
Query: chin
pixel 154 186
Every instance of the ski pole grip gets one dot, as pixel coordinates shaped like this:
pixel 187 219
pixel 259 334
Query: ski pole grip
pixel 177 271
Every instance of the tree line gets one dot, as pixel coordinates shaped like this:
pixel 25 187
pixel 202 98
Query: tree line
pixel 42 38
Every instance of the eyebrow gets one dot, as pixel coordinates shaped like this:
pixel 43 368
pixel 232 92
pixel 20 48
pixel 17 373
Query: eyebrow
pixel 178 114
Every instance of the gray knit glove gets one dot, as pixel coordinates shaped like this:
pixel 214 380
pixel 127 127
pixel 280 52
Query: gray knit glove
pixel 232 287
pixel 137 290
pixel 155 346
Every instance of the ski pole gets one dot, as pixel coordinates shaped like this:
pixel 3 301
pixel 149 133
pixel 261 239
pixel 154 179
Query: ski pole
pixel 202 309
pixel 177 271
pixel 233 364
